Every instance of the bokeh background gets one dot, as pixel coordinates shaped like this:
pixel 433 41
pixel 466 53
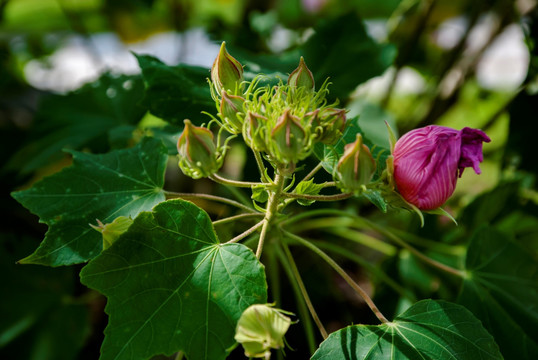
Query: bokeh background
pixel 69 80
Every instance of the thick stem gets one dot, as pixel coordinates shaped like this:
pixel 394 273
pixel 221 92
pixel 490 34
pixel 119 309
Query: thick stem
pixel 245 184
pixel 270 211
pixel 360 291
pixel 223 200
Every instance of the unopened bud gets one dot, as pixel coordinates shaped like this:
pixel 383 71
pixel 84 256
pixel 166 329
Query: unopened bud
pixel 333 123
pixel 260 329
pixel 197 152
pixel 289 139
pixel 356 166
pixel 227 72
pixel 254 128
pixel 230 107
pixel 302 76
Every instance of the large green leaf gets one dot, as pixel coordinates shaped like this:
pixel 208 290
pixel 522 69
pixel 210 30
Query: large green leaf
pixel 428 330
pixel 341 50
pixel 501 289
pixel 80 119
pixel 120 183
pixel 175 93
pixel 172 286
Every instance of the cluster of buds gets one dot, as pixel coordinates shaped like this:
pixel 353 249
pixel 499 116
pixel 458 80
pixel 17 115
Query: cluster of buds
pixel 283 122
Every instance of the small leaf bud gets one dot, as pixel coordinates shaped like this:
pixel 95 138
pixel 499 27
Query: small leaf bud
pixel 227 72
pixel 197 152
pixel 254 128
pixel 230 107
pixel 356 166
pixel 302 76
pixel 112 231
pixel 260 329
pixel 289 139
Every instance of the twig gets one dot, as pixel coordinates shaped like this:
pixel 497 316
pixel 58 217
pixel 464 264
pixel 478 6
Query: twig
pixel 307 300
pixel 234 218
pixel 319 197
pixel 245 184
pixel 272 204
pixel 360 291
pixel 209 197
pixel 246 233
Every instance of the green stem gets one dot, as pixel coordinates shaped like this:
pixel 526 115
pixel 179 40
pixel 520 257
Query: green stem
pixel 313 172
pixel 414 251
pixel 319 197
pixel 360 291
pixel 246 233
pixel 245 184
pixel 374 270
pixel 261 166
pixel 223 200
pixel 304 293
pixel 270 210
pixel 380 229
pixel 234 218
pixel 301 304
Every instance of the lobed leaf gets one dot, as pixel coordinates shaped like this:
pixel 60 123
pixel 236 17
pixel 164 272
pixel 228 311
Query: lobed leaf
pixel 175 93
pixel 172 286
pixel 428 330
pixel 80 119
pixel 501 289
pixel 104 187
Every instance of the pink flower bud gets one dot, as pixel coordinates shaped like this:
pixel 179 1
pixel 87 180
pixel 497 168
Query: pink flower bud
pixel 427 162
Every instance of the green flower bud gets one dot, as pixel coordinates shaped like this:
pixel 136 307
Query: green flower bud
pixel 260 329
pixel 197 153
pixel 227 72
pixel 230 107
pixel 290 139
pixel 302 76
pixel 333 123
pixel 112 231
pixel 356 166
pixel 254 128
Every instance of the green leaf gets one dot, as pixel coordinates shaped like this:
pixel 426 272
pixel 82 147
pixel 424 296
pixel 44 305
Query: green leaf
pixel 80 119
pixel 39 322
pixel 260 194
pixel 120 183
pixel 172 286
pixel 341 50
pixel 307 188
pixel 175 93
pixel 429 330
pixel 375 197
pixel 501 289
